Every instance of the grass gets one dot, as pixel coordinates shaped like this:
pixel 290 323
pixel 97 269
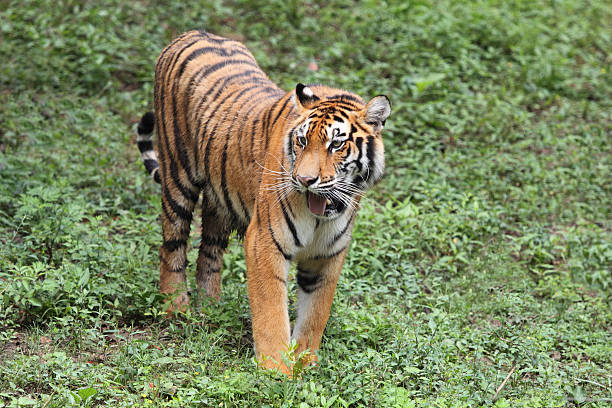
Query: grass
pixel 480 270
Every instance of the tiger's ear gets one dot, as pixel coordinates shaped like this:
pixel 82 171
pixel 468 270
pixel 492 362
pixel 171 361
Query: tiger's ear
pixel 377 111
pixel 304 96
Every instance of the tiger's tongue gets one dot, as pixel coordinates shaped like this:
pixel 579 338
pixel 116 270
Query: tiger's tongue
pixel 316 204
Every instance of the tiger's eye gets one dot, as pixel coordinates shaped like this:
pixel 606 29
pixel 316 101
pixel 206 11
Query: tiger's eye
pixel 336 144
pixel 302 141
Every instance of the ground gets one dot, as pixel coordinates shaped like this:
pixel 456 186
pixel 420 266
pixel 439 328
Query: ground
pixel 480 269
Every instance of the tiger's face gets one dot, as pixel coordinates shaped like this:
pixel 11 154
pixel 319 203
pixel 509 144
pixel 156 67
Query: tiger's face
pixel 335 150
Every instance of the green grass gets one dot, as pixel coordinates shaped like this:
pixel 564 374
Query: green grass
pixel 484 255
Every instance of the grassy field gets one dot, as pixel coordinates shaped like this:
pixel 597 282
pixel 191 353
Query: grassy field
pixel 480 270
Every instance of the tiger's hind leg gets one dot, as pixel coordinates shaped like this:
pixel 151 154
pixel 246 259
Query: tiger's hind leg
pixel 215 237
pixel 177 211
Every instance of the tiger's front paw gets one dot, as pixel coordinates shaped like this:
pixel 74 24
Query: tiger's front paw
pixel 290 361
pixel 269 363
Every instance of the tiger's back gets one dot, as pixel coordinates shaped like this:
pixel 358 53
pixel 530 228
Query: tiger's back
pixel 210 94
pixel 285 169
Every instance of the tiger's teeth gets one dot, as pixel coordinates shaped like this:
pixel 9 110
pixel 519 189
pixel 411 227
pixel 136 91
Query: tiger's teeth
pixel 328 201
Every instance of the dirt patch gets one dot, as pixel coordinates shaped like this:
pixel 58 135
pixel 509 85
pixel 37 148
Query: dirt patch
pixel 28 344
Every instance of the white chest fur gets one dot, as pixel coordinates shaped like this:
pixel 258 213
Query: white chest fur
pixel 324 237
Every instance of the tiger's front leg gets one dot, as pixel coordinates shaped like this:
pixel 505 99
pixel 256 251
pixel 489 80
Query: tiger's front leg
pixel 267 286
pixel 316 279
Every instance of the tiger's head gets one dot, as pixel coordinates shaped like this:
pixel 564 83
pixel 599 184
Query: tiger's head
pixel 335 148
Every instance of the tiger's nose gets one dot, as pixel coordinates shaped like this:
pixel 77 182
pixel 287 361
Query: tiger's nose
pixel 307 180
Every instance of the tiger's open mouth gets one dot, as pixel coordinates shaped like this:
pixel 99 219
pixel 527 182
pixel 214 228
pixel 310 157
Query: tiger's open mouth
pixel 323 206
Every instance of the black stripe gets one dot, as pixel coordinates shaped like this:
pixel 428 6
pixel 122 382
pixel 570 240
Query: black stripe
pixel 353 130
pixel 156 177
pixel 344 97
pixel 254 127
pixel 337 105
pixel 163 62
pixel 308 281
pixel 290 143
pixel 255 103
pixel 341 233
pixel 208 211
pixel 211 196
pixel 185 191
pixel 215 241
pixel 166 212
pixel 244 207
pixel 150 165
pixel 237 97
pixel 226 197
pixel 278 246
pixel 206 254
pixel 178 209
pixel 179 144
pixel 370 153
pixel 213 269
pixel 225 63
pixel 289 207
pixel 280 111
pixel 346 155
pixel 285 255
pixel 145 146
pixel 329 256
pixel 289 147
pixel 364 130
pixel 146 124
pixel 207 50
pixel 290 224
pixel 343 114
pixel 162 56
pixel 359 143
pixel 174 244
pixel 257 217
pixel 167 159
pixel 218 40
pixel 265 125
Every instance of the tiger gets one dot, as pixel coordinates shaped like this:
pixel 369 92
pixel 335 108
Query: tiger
pixel 284 170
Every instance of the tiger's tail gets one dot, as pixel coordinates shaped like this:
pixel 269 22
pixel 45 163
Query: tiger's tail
pixel 144 139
